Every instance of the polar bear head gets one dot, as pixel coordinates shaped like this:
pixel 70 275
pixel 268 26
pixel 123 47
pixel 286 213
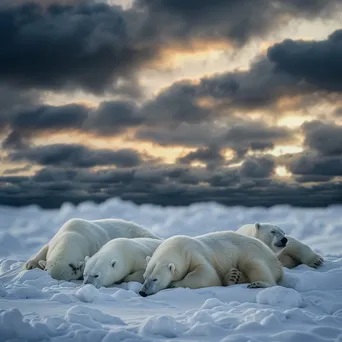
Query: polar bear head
pixel 271 235
pixel 157 276
pixel 103 270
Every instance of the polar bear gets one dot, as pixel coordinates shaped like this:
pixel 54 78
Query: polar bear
pixel 289 250
pixel 119 260
pixel 207 260
pixel 63 257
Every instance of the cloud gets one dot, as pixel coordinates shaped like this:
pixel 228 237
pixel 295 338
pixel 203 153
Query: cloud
pixel 262 167
pixel 325 138
pixel 79 156
pixel 7 3
pixel 101 48
pixel 232 20
pixel 112 118
pixel 47 117
pixel 211 156
pixel 108 119
pixel 338 112
pixel 315 62
pixel 239 135
pixel 322 157
pixel 259 87
pixel 162 185
pixel 316 165
pixel 12 101
pixel 86 46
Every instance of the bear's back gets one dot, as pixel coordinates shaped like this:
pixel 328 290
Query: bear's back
pixel 116 228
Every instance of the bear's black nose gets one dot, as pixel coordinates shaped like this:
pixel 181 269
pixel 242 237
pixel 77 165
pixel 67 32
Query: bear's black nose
pixel 284 240
pixel 142 294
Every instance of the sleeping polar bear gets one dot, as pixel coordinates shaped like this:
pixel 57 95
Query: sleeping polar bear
pixel 63 257
pixel 119 260
pixel 210 260
pixel 289 250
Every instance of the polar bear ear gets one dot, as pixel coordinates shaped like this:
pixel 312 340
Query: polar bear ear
pixel 257 225
pixel 42 264
pixel 86 259
pixel 112 263
pixel 172 268
pixel 148 258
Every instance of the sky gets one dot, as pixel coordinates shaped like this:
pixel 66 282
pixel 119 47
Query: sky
pixel 171 102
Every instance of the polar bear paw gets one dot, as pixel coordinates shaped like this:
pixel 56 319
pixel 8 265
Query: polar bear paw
pixel 175 284
pixel 233 276
pixel 31 264
pixel 259 284
pixel 316 262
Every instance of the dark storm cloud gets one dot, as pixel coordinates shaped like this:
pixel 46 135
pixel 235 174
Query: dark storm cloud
pixel 316 62
pixel 112 118
pixel 109 119
pixel 97 47
pixel 211 156
pixel 49 118
pixel 84 46
pixel 313 179
pixel 77 156
pixel 317 165
pixel 7 3
pixel 12 101
pixel 239 135
pixel 162 185
pixel 268 80
pixel 177 104
pixel 232 20
pixel 255 136
pixel 322 156
pixel 325 138
pixel 259 87
pixel 24 124
pixel 262 167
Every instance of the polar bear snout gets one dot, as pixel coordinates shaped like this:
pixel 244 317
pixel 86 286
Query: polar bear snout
pixel 281 243
pixel 149 287
pixel 91 279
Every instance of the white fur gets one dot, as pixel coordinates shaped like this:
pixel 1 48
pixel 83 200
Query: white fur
pixel 63 257
pixel 290 255
pixel 208 260
pixel 119 260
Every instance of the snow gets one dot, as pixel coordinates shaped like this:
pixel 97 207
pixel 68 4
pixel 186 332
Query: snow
pixel 35 307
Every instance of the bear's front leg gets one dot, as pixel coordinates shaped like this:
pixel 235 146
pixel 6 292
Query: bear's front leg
pixel 200 276
pixel 34 262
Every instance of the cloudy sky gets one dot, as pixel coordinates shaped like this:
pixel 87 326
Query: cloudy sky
pixel 171 101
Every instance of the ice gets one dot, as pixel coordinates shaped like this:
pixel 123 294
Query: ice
pixel 162 325
pixel 281 296
pixel 89 293
pixel 35 307
pixel 96 315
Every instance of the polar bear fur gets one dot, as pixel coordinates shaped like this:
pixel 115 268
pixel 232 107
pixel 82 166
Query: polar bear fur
pixel 289 250
pixel 63 257
pixel 207 260
pixel 119 260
